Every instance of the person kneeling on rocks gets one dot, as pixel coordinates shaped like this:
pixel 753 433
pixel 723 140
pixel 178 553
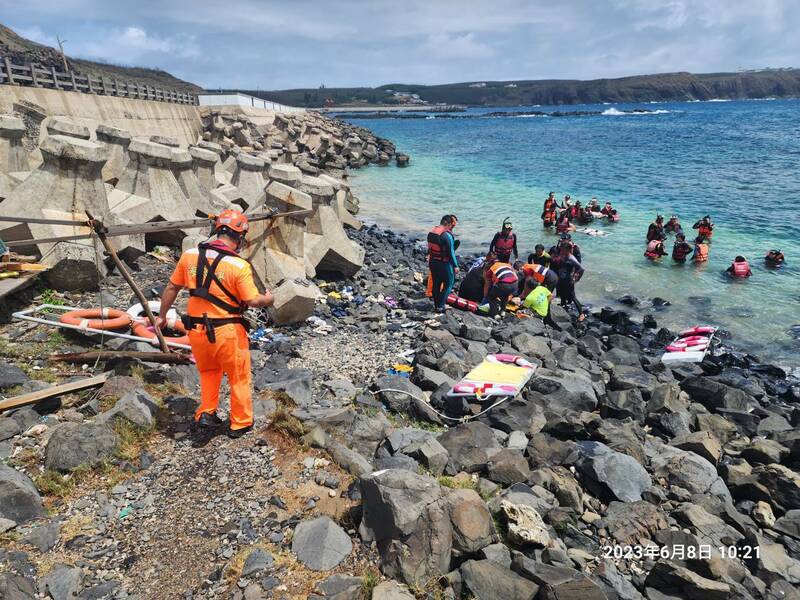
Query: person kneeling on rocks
pixel 537 295
pixel 499 284
pixel 221 287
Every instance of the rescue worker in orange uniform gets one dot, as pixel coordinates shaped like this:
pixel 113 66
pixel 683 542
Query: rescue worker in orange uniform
pixel 221 288
pixel 500 284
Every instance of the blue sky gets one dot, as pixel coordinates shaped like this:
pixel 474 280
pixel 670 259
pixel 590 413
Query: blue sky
pixel 284 44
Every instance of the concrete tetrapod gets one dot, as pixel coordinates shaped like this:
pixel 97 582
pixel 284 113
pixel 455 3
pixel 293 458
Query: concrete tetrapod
pixel 67 183
pixel 277 248
pixel 201 200
pixel 117 140
pixel 204 162
pixel 321 191
pixel 294 301
pixel 13 157
pixel 286 174
pixel 248 177
pixel 327 247
pixel 148 191
pixel 58 126
pixel 340 208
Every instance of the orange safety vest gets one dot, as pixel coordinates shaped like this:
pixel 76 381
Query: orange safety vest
pixel 435 246
pixel 740 269
pixel 705 230
pixel 700 253
pixel 503 273
pixel 538 272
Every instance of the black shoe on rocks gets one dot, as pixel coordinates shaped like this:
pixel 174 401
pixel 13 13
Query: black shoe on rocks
pixel 235 434
pixel 208 420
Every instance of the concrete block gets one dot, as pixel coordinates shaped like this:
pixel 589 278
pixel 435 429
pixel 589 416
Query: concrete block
pixel 286 174
pixel 321 192
pixel 211 146
pixel 204 162
pixel 277 248
pixel 327 247
pixel 248 177
pixel 148 191
pixel 199 198
pixel 66 184
pixel 165 140
pixel 336 184
pixel 117 141
pixel 58 126
pixel 294 301
pixel 13 156
pixel 345 216
pixel 229 164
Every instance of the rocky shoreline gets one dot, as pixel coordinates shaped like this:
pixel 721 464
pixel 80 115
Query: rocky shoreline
pixel 611 476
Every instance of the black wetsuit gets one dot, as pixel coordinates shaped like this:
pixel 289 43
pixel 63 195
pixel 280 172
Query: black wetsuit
pixel 471 287
pixel 566 267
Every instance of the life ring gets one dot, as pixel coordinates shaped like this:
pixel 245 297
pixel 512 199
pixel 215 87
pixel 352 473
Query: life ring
pixel 97 318
pixel 146 331
pixel 136 313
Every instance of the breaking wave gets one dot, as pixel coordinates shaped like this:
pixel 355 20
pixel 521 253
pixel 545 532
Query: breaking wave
pixel 613 112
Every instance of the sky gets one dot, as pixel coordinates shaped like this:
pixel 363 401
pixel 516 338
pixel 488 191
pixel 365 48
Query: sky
pixel 267 45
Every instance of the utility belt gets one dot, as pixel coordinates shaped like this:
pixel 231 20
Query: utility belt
pixel 210 323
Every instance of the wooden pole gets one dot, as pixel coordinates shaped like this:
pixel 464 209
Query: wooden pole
pixel 9 72
pixel 63 56
pixel 51 392
pixel 99 229
pixel 106 355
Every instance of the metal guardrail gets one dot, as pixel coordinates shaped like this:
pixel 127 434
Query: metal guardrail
pixel 43 77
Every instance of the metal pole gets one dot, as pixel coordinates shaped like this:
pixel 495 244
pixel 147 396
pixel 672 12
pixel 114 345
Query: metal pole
pixel 24 315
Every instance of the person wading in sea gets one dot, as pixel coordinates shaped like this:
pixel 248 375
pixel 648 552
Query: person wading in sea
pixel 549 213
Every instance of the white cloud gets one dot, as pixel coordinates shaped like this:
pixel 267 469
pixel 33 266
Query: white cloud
pixel 36 34
pixel 133 44
pixel 445 46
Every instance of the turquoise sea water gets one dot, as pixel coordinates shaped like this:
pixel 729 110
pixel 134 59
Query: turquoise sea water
pixel 738 161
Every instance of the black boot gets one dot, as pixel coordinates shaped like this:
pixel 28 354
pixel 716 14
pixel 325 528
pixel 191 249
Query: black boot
pixel 235 434
pixel 208 420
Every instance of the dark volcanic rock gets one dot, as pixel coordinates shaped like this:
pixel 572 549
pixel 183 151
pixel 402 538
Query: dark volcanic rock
pixel 470 446
pixel 612 472
pixel 19 498
pixel 75 444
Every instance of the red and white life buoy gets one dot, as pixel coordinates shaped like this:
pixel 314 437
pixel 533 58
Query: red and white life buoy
pixel 97 318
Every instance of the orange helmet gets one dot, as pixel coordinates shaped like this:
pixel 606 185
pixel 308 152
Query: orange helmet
pixel 233 220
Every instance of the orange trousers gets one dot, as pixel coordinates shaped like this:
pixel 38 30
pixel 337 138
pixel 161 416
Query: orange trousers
pixel 229 355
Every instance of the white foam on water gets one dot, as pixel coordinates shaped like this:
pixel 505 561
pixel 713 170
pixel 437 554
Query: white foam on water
pixel 613 112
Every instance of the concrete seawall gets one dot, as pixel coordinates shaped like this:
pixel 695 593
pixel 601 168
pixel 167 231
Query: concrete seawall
pixel 142 118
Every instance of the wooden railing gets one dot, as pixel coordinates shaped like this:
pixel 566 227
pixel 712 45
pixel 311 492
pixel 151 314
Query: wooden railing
pixel 48 77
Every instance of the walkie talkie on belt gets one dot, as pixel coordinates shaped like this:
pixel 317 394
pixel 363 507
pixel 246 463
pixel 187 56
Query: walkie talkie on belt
pixel 210 333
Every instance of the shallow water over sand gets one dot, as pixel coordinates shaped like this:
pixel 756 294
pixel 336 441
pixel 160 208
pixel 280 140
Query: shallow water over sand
pixel 738 161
